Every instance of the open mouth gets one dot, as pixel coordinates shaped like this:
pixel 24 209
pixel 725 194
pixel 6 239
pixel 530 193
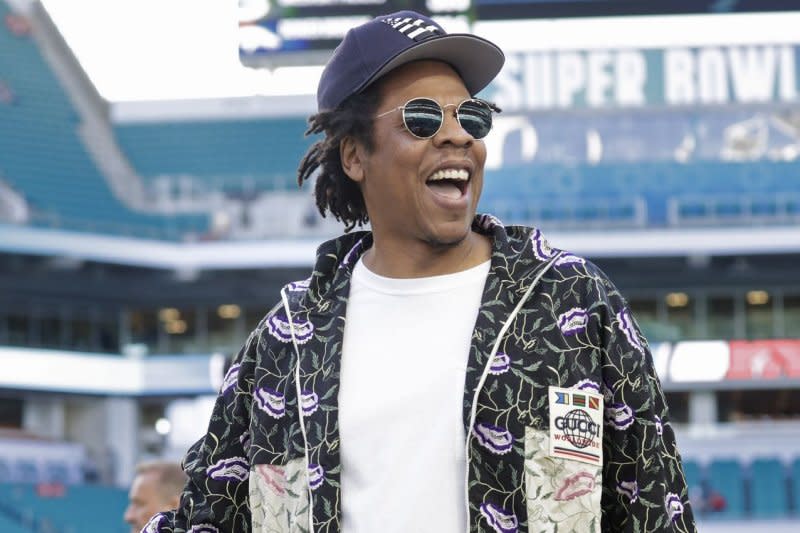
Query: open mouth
pixel 450 183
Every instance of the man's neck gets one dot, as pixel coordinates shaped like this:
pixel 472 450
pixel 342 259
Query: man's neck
pixel 421 260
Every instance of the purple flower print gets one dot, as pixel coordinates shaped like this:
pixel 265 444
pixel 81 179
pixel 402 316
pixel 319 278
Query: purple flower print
pixel 501 520
pixel 280 328
pixel 500 364
pixel 245 442
pixel 271 402
pixel 572 321
pixel 487 222
pixel 154 524
pixel 674 506
pixel 619 415
pixel 541 248
pixel 203 528
pixel 309 402
pixel 354 252
pixel 230 378
pixel 626 326
pixel 233 469
pixel 587 385
pixel 569 259
pixel 629 489
pixel 299 286
pixel 495 439
pixel 316 475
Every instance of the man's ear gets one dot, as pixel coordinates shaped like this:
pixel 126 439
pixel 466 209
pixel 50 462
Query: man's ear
pixel 351 152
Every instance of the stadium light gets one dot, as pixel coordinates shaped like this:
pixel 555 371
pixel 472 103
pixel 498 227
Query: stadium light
pixel 168 314
pixel 757 297
pixel 229 311
pixel 677 299
pixel 163 426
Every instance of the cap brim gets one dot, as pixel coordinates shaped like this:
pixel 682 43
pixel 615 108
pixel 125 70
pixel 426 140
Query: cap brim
pixel 475 59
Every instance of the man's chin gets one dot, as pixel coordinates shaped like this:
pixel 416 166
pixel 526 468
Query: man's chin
pixel 448 239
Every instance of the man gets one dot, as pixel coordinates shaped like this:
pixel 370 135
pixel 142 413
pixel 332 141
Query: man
pixel 156 487
pixel 440 372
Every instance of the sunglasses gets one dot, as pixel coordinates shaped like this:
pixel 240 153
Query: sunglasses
pixel 423 117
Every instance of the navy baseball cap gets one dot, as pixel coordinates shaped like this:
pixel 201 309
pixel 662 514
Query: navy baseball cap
pixel 369 51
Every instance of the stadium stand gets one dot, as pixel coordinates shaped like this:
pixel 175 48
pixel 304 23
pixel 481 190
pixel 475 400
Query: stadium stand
pixel 101 508
pixel 668 194
pixel 731 489
pixel 262 153
pixel 7 525
pixel 768 489
pixel 726 476
pixel 43 158
pixel 241 159
pixel 694 478
pixel 794 485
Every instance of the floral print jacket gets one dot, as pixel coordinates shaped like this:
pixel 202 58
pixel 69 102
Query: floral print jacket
pixel 270 459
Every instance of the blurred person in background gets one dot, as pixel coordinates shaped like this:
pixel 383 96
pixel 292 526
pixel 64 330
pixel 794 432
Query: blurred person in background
pixel 441 372
pixel 156 487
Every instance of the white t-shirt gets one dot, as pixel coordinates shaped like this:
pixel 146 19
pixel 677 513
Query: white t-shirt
pixel 404 359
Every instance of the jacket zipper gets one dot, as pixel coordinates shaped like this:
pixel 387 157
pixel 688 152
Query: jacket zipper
pixel 285 300
pixel 485 374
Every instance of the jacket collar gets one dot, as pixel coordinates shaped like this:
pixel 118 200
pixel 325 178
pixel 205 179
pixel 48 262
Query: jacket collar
pixel 519 249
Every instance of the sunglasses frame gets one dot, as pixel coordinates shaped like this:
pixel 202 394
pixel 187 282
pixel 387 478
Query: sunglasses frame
pixel 442 109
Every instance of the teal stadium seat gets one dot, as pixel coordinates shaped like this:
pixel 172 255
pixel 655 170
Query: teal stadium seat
pixel 82 509
pixel 8 525
pixel 794 480
pixel 768 489
pixel 764 208
pixel 727 478
pixel 694 481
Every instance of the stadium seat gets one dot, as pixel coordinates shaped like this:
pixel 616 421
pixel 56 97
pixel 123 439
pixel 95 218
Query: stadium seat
pixel 5 471
pixel 794 480
pixel 764 208
pixel 65 189
pixel 768 489
pixel 729 210
pixel 694 480
pixel 725 476
pixel 101 508
pixel 688 210
pixel 7 525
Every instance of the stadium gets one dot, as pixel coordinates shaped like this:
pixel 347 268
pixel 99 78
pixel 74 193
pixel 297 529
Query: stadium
pixel 140 242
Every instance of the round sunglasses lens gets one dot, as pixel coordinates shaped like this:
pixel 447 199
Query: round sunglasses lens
pixel 422 117
pixel 476 118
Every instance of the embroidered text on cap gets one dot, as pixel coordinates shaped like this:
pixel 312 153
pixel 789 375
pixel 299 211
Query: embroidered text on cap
pixel 413 28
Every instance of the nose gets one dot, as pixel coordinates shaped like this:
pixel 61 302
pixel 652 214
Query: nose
pixel 128 516
pixel 451 131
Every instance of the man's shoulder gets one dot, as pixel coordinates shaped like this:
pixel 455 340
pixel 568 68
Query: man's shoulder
pixel 529 244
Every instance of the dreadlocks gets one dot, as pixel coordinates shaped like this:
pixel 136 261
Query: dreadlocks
pixel 334 190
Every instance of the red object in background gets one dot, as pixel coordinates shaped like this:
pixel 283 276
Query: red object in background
pixel 767 359
pixel 51 490
pixel 18 25
pixel 7 96
pixel 716 502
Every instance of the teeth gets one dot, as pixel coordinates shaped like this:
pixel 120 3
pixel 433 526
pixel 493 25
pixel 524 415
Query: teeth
pixel 450 174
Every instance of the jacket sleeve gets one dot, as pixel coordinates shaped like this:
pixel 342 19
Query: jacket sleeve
pixel 215 498
pixel 644 489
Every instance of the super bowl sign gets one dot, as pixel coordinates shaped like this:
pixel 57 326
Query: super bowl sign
pixel 714 75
